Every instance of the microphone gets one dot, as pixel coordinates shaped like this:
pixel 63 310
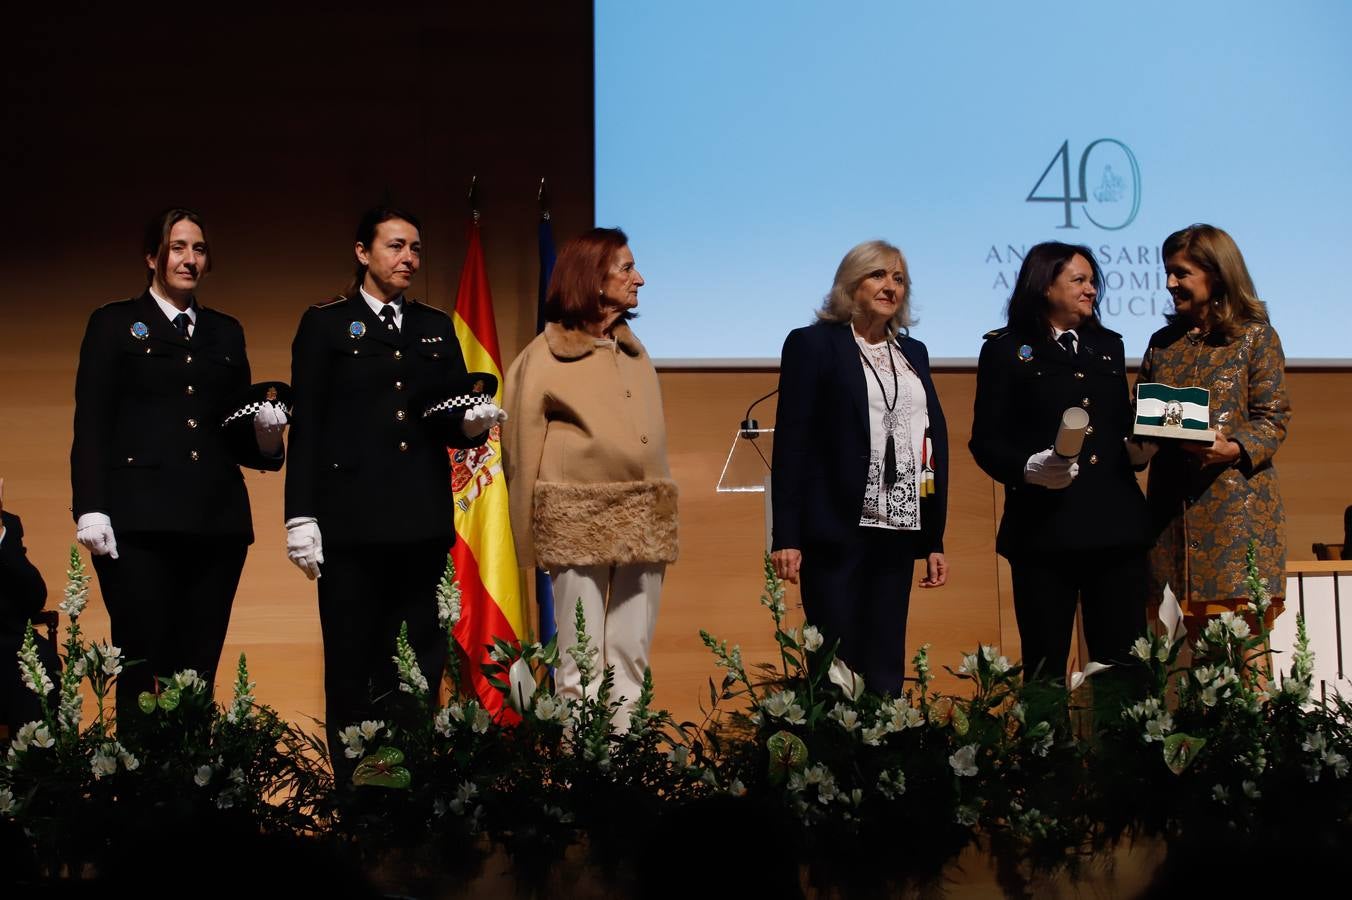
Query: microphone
pixel 749 425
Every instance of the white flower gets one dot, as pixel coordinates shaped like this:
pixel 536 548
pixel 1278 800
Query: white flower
pixel 34 734
pixel 8 806
pixel 892 785
pixel 1314 743
pixel 679 756
pixel 463 795
pixel 1209 696
pixel 369 729
pixel 965 815
pixel 968 665
pixel 1018 714
pixel 812 638
pixel 1170 615
pixel 103 763
pixel 106 657
pixel 203 776
pixel 874 736
pixel 521 684
pixel 737 789
pixel 1250 790
pixel 31 669
pixel 1158 727
pixel 999 664
pixel 1220 793
pixel 128 759
pixel 842 677
pixel 442 722
pixel 1044 746
pixel 1141 649
pixel 481 720
pixel 1337 762
pixel 189 680
pixel 780 705
pixel 846 716
pixel 964 760
pixel 455 711
pixel 1236 625
pixel 1079 678
pixel 545 708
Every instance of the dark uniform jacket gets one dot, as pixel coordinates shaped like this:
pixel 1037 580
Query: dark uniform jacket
pixel 1023 386
pixel 363 460
pixel 149 450
pixel 821 449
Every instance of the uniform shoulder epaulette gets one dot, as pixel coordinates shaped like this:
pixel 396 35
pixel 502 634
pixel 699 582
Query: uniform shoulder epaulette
pixel 995 333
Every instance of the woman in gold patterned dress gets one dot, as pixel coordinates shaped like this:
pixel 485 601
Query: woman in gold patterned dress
pixel 1208 501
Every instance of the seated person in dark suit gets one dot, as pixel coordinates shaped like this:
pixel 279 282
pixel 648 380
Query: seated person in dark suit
pixel 22 594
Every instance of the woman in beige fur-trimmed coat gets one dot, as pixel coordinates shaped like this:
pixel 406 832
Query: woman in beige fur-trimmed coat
pixel 585 447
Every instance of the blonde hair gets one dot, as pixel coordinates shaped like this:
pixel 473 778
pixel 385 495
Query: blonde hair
pixel 1234 300
pixel 863 260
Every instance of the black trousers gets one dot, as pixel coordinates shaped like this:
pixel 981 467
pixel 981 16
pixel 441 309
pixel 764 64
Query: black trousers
pixel 859 593
pixel 365 592
pixel 168 598
pixel 1110 586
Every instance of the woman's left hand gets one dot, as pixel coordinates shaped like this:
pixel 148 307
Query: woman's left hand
pixel 1221 452
pixel 936 571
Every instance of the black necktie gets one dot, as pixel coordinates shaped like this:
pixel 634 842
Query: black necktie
pixel 1067 340
pixel 181 322
pixel 387 313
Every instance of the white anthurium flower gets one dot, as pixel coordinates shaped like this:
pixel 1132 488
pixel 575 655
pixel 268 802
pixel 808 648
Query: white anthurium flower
pixel 845 679
pixel 203 776
pixel 521 682
pixel 1078 678
pixel 1171 614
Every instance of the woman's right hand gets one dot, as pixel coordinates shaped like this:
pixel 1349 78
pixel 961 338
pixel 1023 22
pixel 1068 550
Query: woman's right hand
pixel 787 562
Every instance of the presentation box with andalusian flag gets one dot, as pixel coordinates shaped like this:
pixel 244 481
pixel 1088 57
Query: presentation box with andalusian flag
pixel 1165 411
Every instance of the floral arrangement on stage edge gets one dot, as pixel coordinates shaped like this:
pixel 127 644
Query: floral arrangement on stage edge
pixel 799 754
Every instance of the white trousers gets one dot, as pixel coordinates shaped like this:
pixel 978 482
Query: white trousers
pixel 620 606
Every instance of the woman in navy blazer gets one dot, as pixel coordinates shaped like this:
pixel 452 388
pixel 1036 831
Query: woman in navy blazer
pixel 859 477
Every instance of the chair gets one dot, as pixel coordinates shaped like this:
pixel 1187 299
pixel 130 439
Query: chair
pixel 1327 551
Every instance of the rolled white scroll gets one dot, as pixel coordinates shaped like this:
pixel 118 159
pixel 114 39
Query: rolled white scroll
pixel 1070 436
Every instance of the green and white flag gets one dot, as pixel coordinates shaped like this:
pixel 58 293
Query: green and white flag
pixel 1177 412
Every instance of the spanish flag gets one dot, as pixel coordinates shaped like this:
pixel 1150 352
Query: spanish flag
pixel 492 604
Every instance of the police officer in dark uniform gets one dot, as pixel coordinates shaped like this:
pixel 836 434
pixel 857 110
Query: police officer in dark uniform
pixel 1073 530
pixel 368 489
pixel 158 496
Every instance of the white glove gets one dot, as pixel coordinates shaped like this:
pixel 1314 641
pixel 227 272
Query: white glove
pixel 479 419
pixel 304 545
pixel 1140 453
pixel 269 426
pixel 94 531
pixel 1050 470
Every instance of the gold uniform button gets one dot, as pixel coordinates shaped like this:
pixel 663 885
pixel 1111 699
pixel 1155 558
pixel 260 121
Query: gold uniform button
pixel 1093 459
pixel 403 446
pixel 190 390
pixel 399 415
pixel 398 354
pixel 398 385
pixel 1079 374
pixel 192 423
pixel 1084 401
pixel 193 455
pixel 188 358
pixel 629 393
pixel 1088 430
pixel 644 438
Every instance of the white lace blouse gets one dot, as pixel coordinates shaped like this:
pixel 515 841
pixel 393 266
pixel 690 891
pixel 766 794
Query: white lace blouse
pixel 901 412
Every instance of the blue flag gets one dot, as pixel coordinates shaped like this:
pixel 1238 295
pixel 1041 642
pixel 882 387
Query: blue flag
pixel 544 590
